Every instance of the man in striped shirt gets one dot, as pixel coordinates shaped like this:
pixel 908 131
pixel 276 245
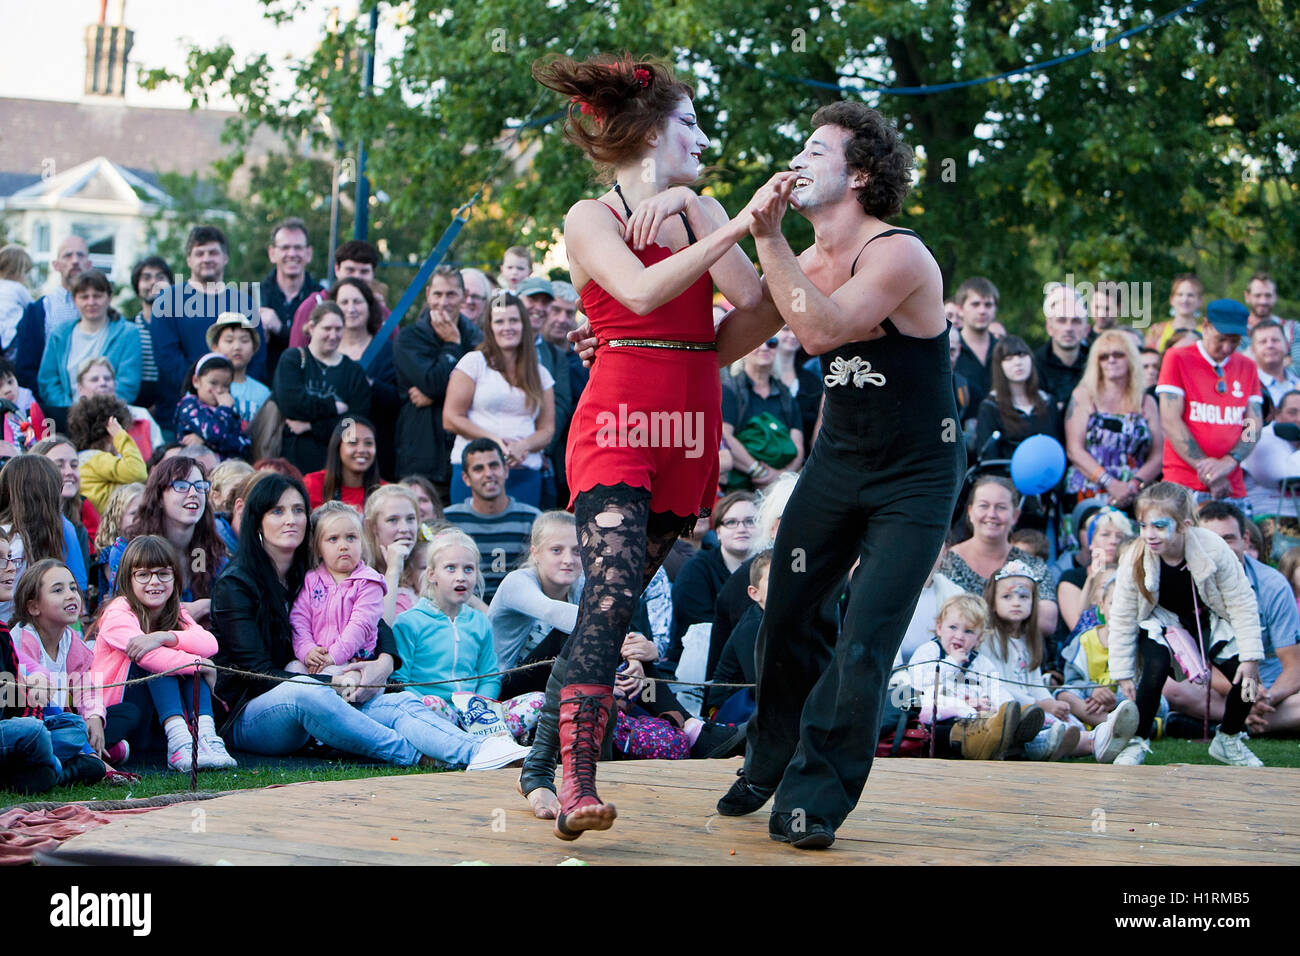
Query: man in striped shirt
pixel 149 276
pixel 499 525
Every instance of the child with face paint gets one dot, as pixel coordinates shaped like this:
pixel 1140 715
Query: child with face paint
pixel 1179 575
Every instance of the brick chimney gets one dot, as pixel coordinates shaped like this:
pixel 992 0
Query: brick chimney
pixel 107 48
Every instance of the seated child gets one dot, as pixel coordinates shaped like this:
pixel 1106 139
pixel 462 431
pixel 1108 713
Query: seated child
pixel 144 630
pixel 107 454
pixel 206 414
pixel 336 616
pixel 949 675
pixel 56 666
pixel 25 427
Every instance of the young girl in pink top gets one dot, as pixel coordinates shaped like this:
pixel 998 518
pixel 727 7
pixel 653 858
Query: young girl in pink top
pixel 144 630
pixel 336 616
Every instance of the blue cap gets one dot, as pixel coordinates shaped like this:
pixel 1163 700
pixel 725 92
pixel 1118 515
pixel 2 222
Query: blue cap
pixel 1228 316
pixel 534 285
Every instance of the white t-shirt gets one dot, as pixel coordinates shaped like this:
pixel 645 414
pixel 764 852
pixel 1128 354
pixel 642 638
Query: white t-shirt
pixel 498 407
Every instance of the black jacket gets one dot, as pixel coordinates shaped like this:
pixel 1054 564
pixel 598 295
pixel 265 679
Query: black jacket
pixel 1055 377
pixel 250 618
pixel 732 604
pixel 426 361
pixel 738 664
pixel 695 592
pixel 306 390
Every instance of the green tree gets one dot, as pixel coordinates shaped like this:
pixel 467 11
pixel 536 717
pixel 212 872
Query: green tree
pixel 1126 164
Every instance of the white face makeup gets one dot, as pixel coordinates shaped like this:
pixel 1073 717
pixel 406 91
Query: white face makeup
pixel 1159 532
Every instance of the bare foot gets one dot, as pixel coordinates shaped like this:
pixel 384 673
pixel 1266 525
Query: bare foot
pixel 593 816
pixel 543 802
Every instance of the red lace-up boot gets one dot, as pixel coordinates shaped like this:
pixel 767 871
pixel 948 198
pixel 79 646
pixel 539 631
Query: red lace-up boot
pixel 584 711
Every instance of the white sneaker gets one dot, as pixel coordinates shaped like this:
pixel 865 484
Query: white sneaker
pixel 1231 749
pixel 1111 737
pixel 497 752
pixel 1134 753
pixel 212 749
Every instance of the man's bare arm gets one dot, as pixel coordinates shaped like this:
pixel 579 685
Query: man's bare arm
pixel 1176 430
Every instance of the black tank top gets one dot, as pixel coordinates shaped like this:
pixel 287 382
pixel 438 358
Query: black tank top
pixel 891 397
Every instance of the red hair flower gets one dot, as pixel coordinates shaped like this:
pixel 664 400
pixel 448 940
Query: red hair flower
pixel 587 109
pixel 642 76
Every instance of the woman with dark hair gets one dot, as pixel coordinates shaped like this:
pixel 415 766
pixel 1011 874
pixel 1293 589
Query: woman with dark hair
pixel 351 466
pixel 502 392
pixel 174 506
pixel 99 331
pixel 1016 407
pixel 645 256
pixel 362 319
pixel 316 387
pixel 347 711
pixel 30 503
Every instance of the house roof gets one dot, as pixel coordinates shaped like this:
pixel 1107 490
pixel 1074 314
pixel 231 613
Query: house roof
pixel 98 183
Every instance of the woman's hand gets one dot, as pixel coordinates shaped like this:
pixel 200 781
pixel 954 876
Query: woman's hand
pixel 198 610
pixel 1129 690
pixel 395 557
pixel 1120 492
pixel 345 685
pixel 418 398
pixel 1248 677
pixel 374 673
pixel 638 647
pixel 317 658
pixel 649 214
pixel 769 204
pixel 297 426
pixel 95 730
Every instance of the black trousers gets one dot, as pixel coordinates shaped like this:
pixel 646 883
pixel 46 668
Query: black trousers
pixel 1157 667
pixel 820 694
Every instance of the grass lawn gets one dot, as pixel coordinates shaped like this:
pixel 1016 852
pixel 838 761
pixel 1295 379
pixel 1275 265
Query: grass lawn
pixel 267 771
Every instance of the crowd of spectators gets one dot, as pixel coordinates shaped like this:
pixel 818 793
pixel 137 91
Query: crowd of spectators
pixel 239 478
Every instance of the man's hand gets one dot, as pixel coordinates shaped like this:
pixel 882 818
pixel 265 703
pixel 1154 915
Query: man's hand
pixel 584 343
pixel 271 321
pixel 446 329
pixel 1213 470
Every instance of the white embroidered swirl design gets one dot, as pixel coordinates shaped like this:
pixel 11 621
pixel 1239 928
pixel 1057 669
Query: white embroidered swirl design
pixel 857 367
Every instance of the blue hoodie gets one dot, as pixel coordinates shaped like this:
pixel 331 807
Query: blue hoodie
pixel 434 647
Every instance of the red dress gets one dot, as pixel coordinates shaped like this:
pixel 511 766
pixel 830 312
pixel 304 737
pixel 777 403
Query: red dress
pixel 650 417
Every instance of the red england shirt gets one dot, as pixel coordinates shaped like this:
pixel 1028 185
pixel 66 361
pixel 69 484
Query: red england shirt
pixel 1215 420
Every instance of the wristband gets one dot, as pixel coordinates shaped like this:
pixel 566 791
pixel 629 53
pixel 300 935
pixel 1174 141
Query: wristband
pixel 755 469
pixel 1096 475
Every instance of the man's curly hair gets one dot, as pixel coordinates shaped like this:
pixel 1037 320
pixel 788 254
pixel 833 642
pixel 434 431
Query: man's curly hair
pixel 88 419
pixel 877 149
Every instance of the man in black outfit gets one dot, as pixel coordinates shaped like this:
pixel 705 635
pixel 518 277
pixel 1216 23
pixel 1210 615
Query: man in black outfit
pixel 1061 361
pixel 879 485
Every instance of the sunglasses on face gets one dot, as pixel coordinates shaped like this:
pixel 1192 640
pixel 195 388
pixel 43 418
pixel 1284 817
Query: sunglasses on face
pixel 771 343
pixel 1111 356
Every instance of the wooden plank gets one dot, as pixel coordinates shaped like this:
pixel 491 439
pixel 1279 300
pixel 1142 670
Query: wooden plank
pixel 913 811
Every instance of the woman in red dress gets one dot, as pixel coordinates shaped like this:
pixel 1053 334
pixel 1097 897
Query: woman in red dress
pixel 643 445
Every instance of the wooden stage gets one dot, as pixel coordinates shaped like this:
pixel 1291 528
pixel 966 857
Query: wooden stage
pixel 913 812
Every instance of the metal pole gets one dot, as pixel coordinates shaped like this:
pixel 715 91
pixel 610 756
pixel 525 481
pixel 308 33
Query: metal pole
pixel 361 224
pixel 334 221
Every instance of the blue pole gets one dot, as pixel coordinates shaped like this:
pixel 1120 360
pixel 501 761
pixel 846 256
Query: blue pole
pixel 361 225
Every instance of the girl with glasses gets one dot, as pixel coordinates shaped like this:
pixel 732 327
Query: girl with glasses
pixel 696 589
pixel 1112 427
pixel 174 505
pixel 145 630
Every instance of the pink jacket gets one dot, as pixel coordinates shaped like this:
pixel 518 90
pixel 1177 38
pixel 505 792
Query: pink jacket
pixel 118 624
pixel 79 676
pixel 343 618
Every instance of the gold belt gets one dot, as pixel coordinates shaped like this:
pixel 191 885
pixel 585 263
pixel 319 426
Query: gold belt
pixel 666 344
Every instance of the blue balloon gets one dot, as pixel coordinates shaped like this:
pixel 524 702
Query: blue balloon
pixel 1038 464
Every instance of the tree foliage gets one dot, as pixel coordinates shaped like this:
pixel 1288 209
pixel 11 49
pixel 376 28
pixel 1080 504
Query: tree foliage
pixel 1171 150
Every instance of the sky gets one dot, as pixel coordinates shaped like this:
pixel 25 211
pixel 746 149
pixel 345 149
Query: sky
pixel 54 68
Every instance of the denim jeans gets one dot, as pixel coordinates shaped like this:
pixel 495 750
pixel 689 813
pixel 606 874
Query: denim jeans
pixel 286 717
pixel 67 733
pixel 27 761
pixel 174 697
